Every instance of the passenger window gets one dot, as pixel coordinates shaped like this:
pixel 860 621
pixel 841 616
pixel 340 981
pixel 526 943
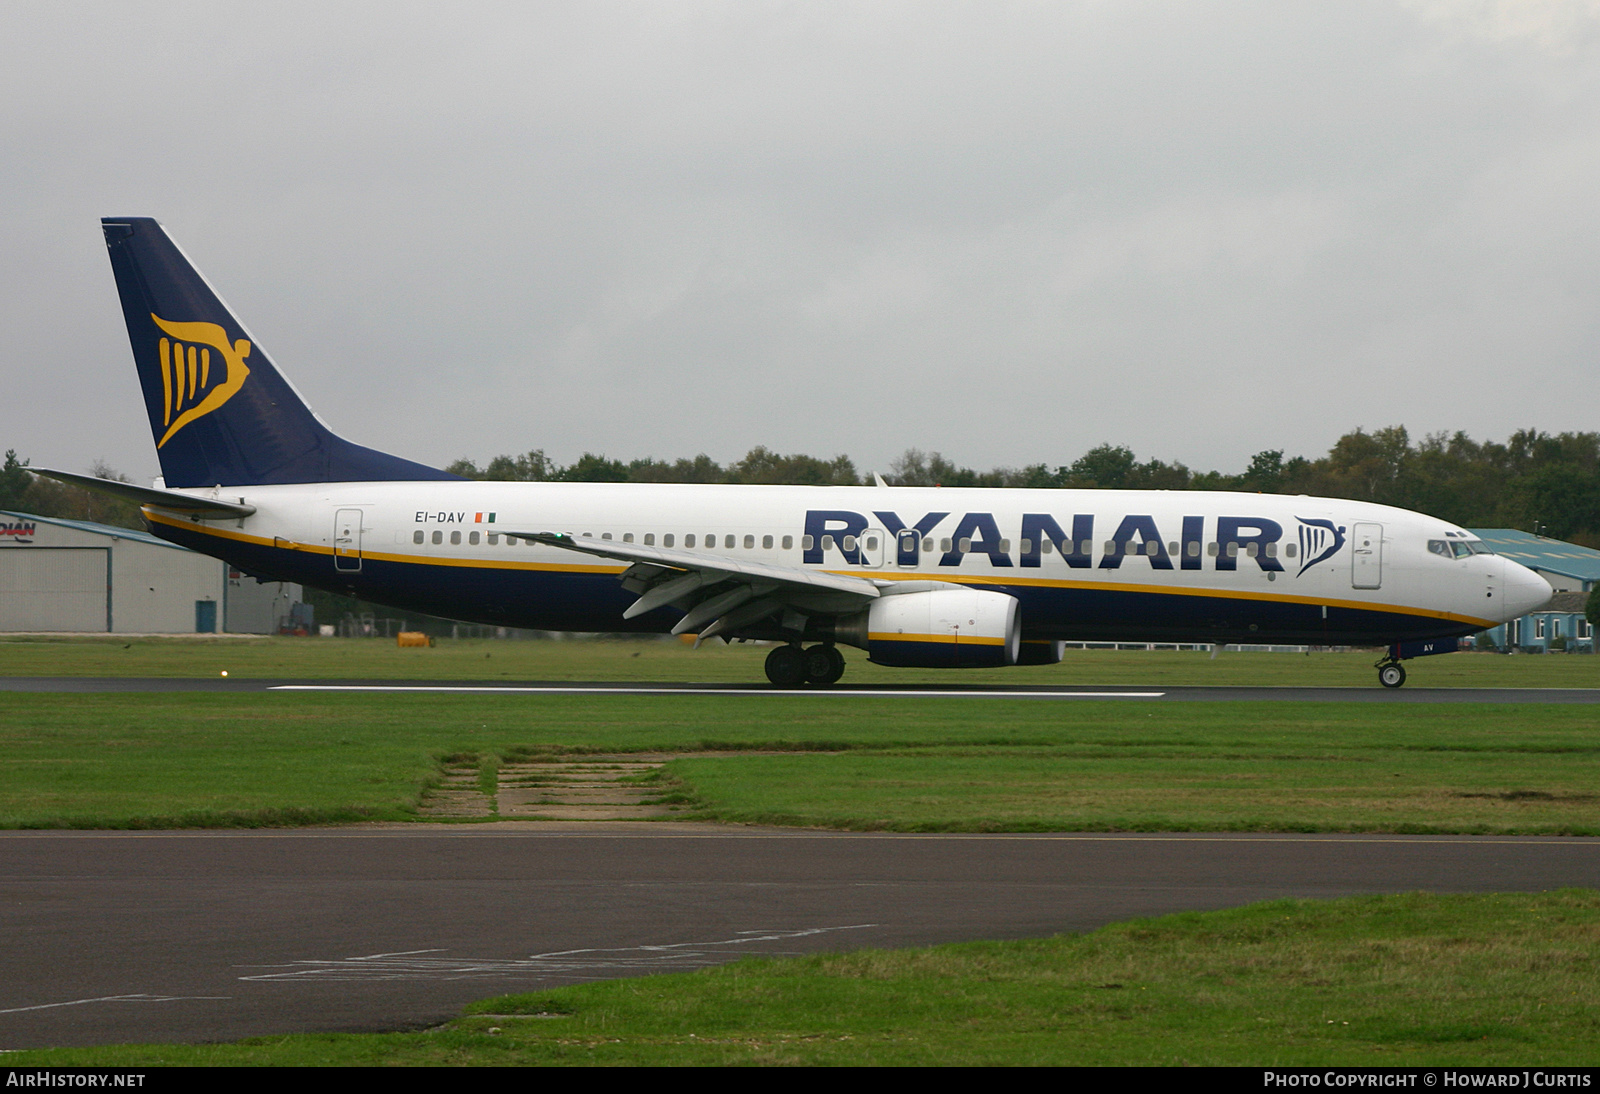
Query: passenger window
pixel 1252 549
pixel 649 539
pixel 805 543
pixel 494 539
pixel 727 543
pixel 944 545
pixel 472 538
pixel 827 543
pixel 1272 550
pixel 849 543
pixel 416 537
pixel 667 540
pixel 872 543
pixel 1086 548
pixel 438 537
pixel 627 537
pixel 1211 549
pixel 1290 550
pixel 1172 548
pixel 688 540
pixel 1005 546
pixel 927 545
pixel 749 543
pixel 1045 546
pixel 1111 547
pixel 455 539
pixel 766 543
pixel 1152 548
pixel 965 546
pixel 788 543
pixel 1233 550
pixel 1192 548
pixel 605 535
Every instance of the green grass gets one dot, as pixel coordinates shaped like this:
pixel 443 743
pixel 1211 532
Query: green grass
pixel 655 660
pixel 1505 980
pixel 1412 980
pixel 188 759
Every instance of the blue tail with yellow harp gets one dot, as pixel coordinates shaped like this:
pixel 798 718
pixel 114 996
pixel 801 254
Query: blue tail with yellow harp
pixel 220 412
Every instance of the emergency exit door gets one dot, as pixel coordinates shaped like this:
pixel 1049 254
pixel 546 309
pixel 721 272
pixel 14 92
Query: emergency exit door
pixel 347 541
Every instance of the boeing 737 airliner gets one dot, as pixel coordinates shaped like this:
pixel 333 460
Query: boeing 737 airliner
pixel 914 576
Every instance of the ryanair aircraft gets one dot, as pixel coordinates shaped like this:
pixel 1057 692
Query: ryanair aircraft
pixel 921 577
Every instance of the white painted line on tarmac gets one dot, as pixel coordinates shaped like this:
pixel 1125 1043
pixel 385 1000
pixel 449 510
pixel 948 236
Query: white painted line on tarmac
pixel 141 998
pixel 875 692
pixel 581 964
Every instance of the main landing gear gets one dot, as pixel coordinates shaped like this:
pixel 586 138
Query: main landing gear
pixel 791 666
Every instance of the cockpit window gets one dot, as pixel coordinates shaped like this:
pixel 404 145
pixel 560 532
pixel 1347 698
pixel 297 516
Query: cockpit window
pixel 1458 548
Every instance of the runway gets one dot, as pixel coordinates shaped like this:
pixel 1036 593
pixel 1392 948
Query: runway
pixel 214 935
pixel 1368 694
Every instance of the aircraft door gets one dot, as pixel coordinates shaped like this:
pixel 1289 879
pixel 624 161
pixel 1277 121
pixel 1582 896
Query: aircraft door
pixel 871 545
pixel 908 548
pixel 1366 560
pixel 347 541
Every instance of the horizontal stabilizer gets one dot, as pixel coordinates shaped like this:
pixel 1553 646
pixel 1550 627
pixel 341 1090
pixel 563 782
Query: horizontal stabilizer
pixel 149 495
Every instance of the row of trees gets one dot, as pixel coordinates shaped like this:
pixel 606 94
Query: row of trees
pixel 759 466
pixel 1535 481
pixel 23 492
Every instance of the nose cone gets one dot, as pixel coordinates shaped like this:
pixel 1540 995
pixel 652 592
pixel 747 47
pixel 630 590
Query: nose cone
pixel 1523 591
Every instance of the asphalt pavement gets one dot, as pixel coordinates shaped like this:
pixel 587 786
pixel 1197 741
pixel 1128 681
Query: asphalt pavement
pixel 116 937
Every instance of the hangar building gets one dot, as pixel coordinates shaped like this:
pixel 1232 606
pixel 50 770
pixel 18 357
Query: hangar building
pixel 71 575
pixel 1572 572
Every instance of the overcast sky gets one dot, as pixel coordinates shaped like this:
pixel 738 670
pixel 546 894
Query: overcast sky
pixel 1009 232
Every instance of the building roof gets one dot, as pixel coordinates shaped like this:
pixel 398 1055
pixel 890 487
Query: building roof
pixel 1566 604
pixel 1539 553
pixel 97 529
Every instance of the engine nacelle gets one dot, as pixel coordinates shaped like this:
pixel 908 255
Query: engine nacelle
pixel 951 628
pixel 1042 652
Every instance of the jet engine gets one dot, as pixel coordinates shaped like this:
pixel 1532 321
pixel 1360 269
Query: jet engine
pixel 952 628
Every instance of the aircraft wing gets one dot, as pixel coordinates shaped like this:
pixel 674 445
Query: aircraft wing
pixel 717 593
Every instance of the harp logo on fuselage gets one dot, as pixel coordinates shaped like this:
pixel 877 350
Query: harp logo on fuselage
pixel 191 385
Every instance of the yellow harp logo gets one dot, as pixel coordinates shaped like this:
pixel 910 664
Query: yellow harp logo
pixel 186 372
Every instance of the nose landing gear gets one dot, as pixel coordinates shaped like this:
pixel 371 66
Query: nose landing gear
pixel 1391 674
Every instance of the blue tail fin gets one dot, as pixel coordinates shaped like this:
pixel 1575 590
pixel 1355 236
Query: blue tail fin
pixel 219 410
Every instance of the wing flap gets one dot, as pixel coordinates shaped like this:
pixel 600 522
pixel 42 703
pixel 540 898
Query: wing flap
pixel 663 576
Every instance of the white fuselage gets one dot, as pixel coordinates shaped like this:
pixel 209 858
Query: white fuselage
pixel 1100 564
